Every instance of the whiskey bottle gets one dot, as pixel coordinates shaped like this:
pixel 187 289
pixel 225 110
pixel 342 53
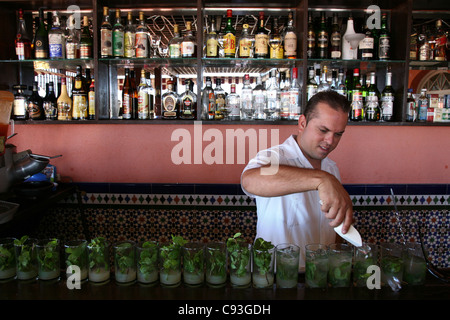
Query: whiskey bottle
pixel 143 98
pixel 141 38
pixel 64 102
pixel 247 110
pixel 129 37
pixel 275 42
pixel 50 104
pixel 170 102
pixel 208 101
pixel 366 45
pixel 188 45
pixel 86 42
pixel 56 39
pixel 19 110
pixel 229 45
pixel 22 41
pixel 175 43
pixel 212 44
pixel 106 35
pixel 311 39
pixel 384 44
pixel 188 106
pixel 118 37
pixel 72 40
pixel 79 97
pixel 233 110
pixel 387 99
pixel 41 38
pixel 311 86
pixel 245 41
pixel 335 39
pixel 220 96
pixel 34 105
pixel 322 38
pixel 261 39
pixel 356 113
pixel 290 39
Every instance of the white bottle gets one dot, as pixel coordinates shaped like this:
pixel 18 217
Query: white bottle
pixel 347 53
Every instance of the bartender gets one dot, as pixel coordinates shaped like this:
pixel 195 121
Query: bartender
pixel 299 196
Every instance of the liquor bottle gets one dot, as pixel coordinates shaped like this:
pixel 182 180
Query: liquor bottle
pixel 41 38
pixel 134 96
pixel 311 86
pixel 175 43
pixel 72 40
pixel 322 38
pixel 272 109
pixel 50 104
pixel 34 104
pixel 324 85
pixel 334 80
pixel 141 38
pixel 56 39
pixel 86 42
pixel 364 87
pixel 247 110
pixel 22 41
pixel 373 89
pixel 19 109
pixel 188 45
pixel 188 105
pixel 275 42
pixel 372 100
pixel 106 35
pixel 294 96
pixel 79 97
pixel 259 94
pixel 118 37
pixel 233 105
pixel 229 45
pixel 341 88
pixel 311 39
pixel 431 37
pixel 87 79
pixel 91 101
pixel 384 40
pixel 290 39
pixel 413 45
pixel 245 41
pixel 366 45
pixel 424 46
pixel 318 76
pixel 410 107
pixel 261 39
pixel 423 104
pixel 220 96
pixel 170 102
pixel 127 96
pixel 208 101
pixel 441 42
pixel 151 96
pixel 129 38
pixel 347 51
pixel 335 39
pixel 64 102
pixel 143 98
pixel 356 113
pixel 212 44
pixel 387 99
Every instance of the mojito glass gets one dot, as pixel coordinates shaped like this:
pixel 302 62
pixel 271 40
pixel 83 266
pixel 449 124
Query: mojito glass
pixel 415 267
pixel 193 264
pixel 263 267
pixel 339 265
pixel 364 256
pixel 391 264
pixel 287 260
pixel 316 265
pixel 216 264
pixel 7 259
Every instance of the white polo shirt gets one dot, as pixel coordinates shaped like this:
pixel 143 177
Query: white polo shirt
pixel 294 218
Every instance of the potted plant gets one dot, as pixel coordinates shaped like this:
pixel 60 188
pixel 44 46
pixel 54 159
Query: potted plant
pixel 26 261
pixel 263 263
pixel 77 255
pixel 216 264
pixel 170 262
pixel 7 259
pixel 147 263
pixel 125 262
pixel 239 251
pixel 99 263
pixel 193 264
pixel 48 259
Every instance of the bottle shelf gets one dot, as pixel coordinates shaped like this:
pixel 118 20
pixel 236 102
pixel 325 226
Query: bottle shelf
pixel 429 65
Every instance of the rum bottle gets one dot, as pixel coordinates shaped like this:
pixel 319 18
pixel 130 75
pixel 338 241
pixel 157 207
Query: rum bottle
pixel 127 97
pixel 143 98
pixel 106 35
pixel 356 113
pixel 208 101
pixel 170 102
pixel 22 42
pixel 290 39
pixel 261 39
pixel 275 42
pixel 188 45
pixel 188 106
pixel 141 39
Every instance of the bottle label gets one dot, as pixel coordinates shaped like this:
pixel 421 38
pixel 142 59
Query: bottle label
pixel 366 43
pixel 211 103
pixel 34 111
pixel 143 105
pixel 186 106
pixel 141 45
pixel 106 43
pixel 322 39
pixel 410 111
pixel 187 48
pixel 79 104
pixel 290 45
pixel 244 48
pixel 126 106
pixel 387 105
pixel 19 107
pixel 71 50
pixel 229 45
pixel 169 104
pixel 63 110
pixel 261 44
pixel 277 52
pixel 129 50
pixel 211 47
pixel 174 51
pixel 118 43
pixel 91 97
pixel 85 51
pixel 55 46
pixel 20 49
pixel 383 49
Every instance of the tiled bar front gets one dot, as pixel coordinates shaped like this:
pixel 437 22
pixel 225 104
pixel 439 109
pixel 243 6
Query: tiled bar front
pixel 205 212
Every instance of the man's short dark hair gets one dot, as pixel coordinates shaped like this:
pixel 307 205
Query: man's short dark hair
pixel 335 100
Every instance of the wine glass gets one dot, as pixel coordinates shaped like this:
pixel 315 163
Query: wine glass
pixel 154 43
pixel 49 110
pixel 66 109
pixel 82 107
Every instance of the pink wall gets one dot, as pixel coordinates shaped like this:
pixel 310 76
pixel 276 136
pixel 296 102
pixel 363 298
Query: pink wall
pixel 141 153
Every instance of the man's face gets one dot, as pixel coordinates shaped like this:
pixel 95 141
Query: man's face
pixel 322 133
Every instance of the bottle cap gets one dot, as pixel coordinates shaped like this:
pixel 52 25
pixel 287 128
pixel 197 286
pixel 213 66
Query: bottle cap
pixel 229 13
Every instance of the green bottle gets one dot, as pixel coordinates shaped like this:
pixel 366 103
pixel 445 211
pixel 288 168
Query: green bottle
pixel 118 37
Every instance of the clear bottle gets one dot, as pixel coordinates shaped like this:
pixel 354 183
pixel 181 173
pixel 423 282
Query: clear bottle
pixel 56 39
pixel 275 42
pixel 335 39
pixel 245 41
pixel 41 38
pixel 64 102
pixel 229 45
pixel 208 101
pixel 188 45
pixel 106 35
pixel 143 98
pixel 372 105
pixel 86 42
pixel 247 110
pixel 170 102
pixel 220 96
pixel 212 44
pixel 22 41
pixel 129 38
pixel 311 38
pixel 285 97
pixel 261 39
pixel 387 99
pixel 91 101
pixel 384 44
pixel 118 37
pixel 322 38
pixel 294 96
pixel 50 104
pixel 151 96
pixel 188 105
pixel 423 105
pixel 34 105
pixel 141 38
pixel 341 88
pixel 347 52
pixel 19 110
pixel 259 94
pixel 175 43
pixel 272 109
pixel 324 85
pixel 410 107
pixel 356 113
pixel 290 39
pixel 311 85
pixel 233 105
pixel 72 40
